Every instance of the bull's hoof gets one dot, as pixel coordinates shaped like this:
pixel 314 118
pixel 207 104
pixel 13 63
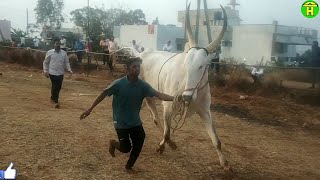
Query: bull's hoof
pixel 160 149
pixel 172 145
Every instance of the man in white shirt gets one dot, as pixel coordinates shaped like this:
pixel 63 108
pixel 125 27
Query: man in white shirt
pixel 63 42
pixel 256 73
pixel 135 45
pixel 167 46
pixel 54 65
pixel 104 44
pixel 113 47
pixel 36 42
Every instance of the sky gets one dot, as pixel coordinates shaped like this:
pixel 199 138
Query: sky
pixel 286 12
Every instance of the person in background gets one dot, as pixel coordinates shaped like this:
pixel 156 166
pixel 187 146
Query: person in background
pixel 13 43
pixel 135 45
pixel 128 93
pixel 63 42
pixel 113 47
pixel 89 45
pixel 79 48
pixel 256 73
pixel 315 61
pixel 104 44
pixel 167 46
pixel 36 43
pixel 54 65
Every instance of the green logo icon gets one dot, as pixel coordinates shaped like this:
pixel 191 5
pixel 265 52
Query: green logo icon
pixel 310 9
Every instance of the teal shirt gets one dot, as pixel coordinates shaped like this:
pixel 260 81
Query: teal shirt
pixel 127 101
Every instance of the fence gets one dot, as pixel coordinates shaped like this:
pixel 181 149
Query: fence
pixel 296 77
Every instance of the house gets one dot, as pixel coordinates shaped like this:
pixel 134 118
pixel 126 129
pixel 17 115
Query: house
pixel 150 36
pixel 5 30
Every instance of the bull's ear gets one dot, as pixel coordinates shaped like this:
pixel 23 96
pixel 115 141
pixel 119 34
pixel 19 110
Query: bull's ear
pixel 186 47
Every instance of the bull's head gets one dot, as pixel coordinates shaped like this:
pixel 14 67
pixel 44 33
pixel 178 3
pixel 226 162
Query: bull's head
pixel 197 60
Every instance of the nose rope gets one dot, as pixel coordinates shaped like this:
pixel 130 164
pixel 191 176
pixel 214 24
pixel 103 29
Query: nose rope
pixel 180 108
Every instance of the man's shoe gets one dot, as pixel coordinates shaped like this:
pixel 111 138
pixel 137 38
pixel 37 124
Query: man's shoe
pixel 57 105
pixel 128 168
pixel 112 148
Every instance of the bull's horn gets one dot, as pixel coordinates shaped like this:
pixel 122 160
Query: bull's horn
pixel 192 43
pixel 212 47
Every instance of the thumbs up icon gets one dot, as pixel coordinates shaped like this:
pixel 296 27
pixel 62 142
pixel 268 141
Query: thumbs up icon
pixel 9 173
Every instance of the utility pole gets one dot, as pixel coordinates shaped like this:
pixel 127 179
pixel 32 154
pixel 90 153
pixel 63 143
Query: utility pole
pixel 87 34
pixel 27 23
pixel 88 9
pixel 185 22
pixel 207 20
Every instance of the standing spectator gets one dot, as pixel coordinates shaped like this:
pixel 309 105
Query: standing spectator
pixel 167 46
pixel 22 42
pixel 89 45
pixel 315 59
pixel 89 49
pixel 54 65
pixel 36 42
pixel 113 47
pixel 257 73
pixel 135 45
pixel 13 43
pixel 79 48
pixel 63 42
pixel 104 44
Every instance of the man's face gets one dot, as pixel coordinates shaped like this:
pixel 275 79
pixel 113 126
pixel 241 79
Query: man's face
pixel 112 38
pixel 57 45
pixel 134 69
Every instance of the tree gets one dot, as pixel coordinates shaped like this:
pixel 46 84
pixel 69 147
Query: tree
pixel 102 21
pixel 49 13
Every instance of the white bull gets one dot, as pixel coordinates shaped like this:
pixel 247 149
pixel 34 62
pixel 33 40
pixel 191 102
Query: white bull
pixel 187 74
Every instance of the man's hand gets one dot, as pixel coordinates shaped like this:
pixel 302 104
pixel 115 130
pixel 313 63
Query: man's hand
pixel 85 114
pixel 46 74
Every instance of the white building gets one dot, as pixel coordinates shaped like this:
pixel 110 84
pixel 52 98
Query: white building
pixel 251 42
pixel 5 30
pixel 150 36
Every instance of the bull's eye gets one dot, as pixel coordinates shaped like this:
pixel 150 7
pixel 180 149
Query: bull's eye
pixel 200 67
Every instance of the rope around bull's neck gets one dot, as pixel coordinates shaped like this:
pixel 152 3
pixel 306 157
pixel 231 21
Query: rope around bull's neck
pixel 161 69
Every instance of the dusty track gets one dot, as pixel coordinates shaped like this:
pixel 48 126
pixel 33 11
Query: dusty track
pixel 48 143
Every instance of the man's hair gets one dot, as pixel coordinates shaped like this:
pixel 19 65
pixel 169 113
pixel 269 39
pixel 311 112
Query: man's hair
pixel 132 60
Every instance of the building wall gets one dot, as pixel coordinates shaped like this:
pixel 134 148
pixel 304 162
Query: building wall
pixel 233 16
pixel 171 33
pixel 139 33
pixel 251 42
pixel 147 38
pixel 5 27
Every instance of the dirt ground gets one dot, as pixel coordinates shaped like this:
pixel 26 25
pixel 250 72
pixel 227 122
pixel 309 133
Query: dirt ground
pixel 263 138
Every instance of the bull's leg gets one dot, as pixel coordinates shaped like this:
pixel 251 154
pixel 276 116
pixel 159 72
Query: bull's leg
pixel 209 123
pixel 166 134
pixel 153 108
